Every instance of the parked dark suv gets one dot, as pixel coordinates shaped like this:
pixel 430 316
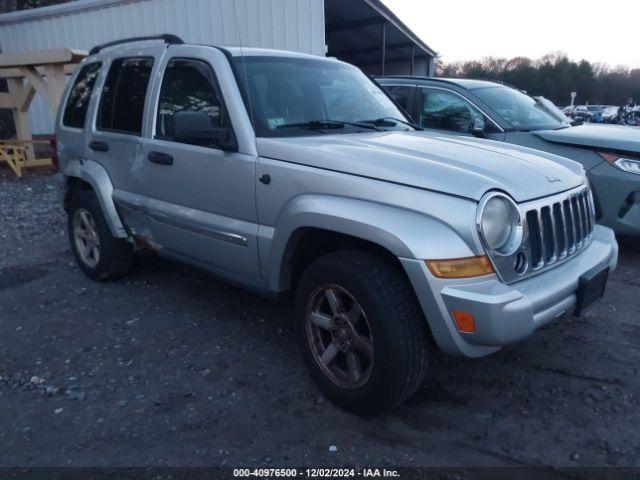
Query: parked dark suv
pixel 609 153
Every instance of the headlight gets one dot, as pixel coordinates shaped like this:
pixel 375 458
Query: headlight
pixel 499 224
pixel 623 163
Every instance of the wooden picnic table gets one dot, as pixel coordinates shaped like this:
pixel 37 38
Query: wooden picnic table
pixel 16 154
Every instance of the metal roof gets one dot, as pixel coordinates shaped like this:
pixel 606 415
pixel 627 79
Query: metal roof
pixel 391 17
pixel 368 34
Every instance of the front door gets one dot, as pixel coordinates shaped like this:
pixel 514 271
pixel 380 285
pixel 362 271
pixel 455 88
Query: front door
pixel 438 108
pixel 200 198
pixel 442 109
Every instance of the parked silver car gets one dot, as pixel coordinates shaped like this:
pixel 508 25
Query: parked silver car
pixel 609 153
pixel 283 172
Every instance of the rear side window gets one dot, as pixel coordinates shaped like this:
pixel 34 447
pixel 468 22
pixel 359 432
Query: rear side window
pixel 401 94
pixel 122 102
pixel 75 112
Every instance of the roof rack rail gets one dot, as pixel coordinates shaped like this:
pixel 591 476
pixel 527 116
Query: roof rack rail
pixel 168 38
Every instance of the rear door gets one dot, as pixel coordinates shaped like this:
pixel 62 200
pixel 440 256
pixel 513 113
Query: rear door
pixel 72 120
pixel 200 198
pixel 115 137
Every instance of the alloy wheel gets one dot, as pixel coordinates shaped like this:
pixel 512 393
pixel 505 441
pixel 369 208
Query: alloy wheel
pixel 340 336
pixel 86 238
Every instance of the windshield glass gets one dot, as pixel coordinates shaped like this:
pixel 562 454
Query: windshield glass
pixel 520 110
pixel 301 96
pixel 553 110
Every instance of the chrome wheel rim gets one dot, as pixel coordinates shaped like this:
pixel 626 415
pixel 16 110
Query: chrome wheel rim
pixel 340 336
pixel 85 238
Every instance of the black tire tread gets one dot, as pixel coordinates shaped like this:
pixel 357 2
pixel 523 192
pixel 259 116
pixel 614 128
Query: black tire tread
pixel 376 273
pixel 392 284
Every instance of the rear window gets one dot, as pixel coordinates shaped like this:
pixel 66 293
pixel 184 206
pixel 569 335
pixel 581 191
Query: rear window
pixel 400 93
pixel 75 112
pixel 122 103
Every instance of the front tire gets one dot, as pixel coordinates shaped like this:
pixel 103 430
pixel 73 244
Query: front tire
pixel 361 331
pixel 99 255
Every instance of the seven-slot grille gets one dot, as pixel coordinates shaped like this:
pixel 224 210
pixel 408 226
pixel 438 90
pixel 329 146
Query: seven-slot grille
pixel 560 229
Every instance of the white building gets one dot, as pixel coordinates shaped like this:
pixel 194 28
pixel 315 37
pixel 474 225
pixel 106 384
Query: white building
pixel 362 32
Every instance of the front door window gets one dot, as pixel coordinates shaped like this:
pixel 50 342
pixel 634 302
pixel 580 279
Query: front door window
pixel 189 86
pixel 444 110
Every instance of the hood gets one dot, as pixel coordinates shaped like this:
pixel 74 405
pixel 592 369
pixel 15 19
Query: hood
pixel 461 166
pixel 607 137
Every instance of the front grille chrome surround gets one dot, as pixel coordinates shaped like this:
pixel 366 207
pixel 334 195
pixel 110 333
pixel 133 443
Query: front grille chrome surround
pixel 555 228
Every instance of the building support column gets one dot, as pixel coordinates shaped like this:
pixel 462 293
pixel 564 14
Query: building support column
pixel 431 66
pixel 413 60
pixel 56 83
pixel 384 47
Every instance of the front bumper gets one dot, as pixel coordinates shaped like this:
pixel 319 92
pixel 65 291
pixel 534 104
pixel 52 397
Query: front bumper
pixel 504 313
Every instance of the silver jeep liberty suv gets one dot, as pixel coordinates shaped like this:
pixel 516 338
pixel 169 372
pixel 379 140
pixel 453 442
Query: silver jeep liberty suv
pixel 283 172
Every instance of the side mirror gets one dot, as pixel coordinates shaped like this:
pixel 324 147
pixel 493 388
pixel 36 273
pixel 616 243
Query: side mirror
pixel 479 126
pixel 196 128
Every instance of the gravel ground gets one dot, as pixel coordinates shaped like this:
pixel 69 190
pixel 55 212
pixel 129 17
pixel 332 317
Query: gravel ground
pixel 171 368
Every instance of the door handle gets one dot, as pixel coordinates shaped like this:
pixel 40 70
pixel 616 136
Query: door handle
pixel 98 146
pixel 265 178
pixel 160 158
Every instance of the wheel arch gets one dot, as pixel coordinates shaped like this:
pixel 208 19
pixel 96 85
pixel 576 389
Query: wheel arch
pixel 89 175
pixel 310 243
pixel 311 225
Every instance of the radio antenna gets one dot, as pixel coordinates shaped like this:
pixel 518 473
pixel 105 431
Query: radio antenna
pixel 244 66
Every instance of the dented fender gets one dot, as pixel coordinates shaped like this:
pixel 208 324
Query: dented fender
pixel 96 176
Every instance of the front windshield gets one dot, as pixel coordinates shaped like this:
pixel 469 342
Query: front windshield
pixel 301 96
pixel 553 110
pixel 520 110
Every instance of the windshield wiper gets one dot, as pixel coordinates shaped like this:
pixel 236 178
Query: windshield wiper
pixel 326 124
pixel 389 122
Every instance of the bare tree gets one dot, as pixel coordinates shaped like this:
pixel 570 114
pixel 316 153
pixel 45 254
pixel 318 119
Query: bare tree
pixel 554 75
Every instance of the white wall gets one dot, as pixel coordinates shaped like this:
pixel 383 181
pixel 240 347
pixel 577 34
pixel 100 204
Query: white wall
pixel 282 24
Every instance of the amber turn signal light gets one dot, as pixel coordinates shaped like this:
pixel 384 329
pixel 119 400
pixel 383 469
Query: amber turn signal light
pixel 460 267
pixel 464 321
pixel 609 157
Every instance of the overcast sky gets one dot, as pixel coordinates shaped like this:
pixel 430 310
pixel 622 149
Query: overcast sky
pixel 597 30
